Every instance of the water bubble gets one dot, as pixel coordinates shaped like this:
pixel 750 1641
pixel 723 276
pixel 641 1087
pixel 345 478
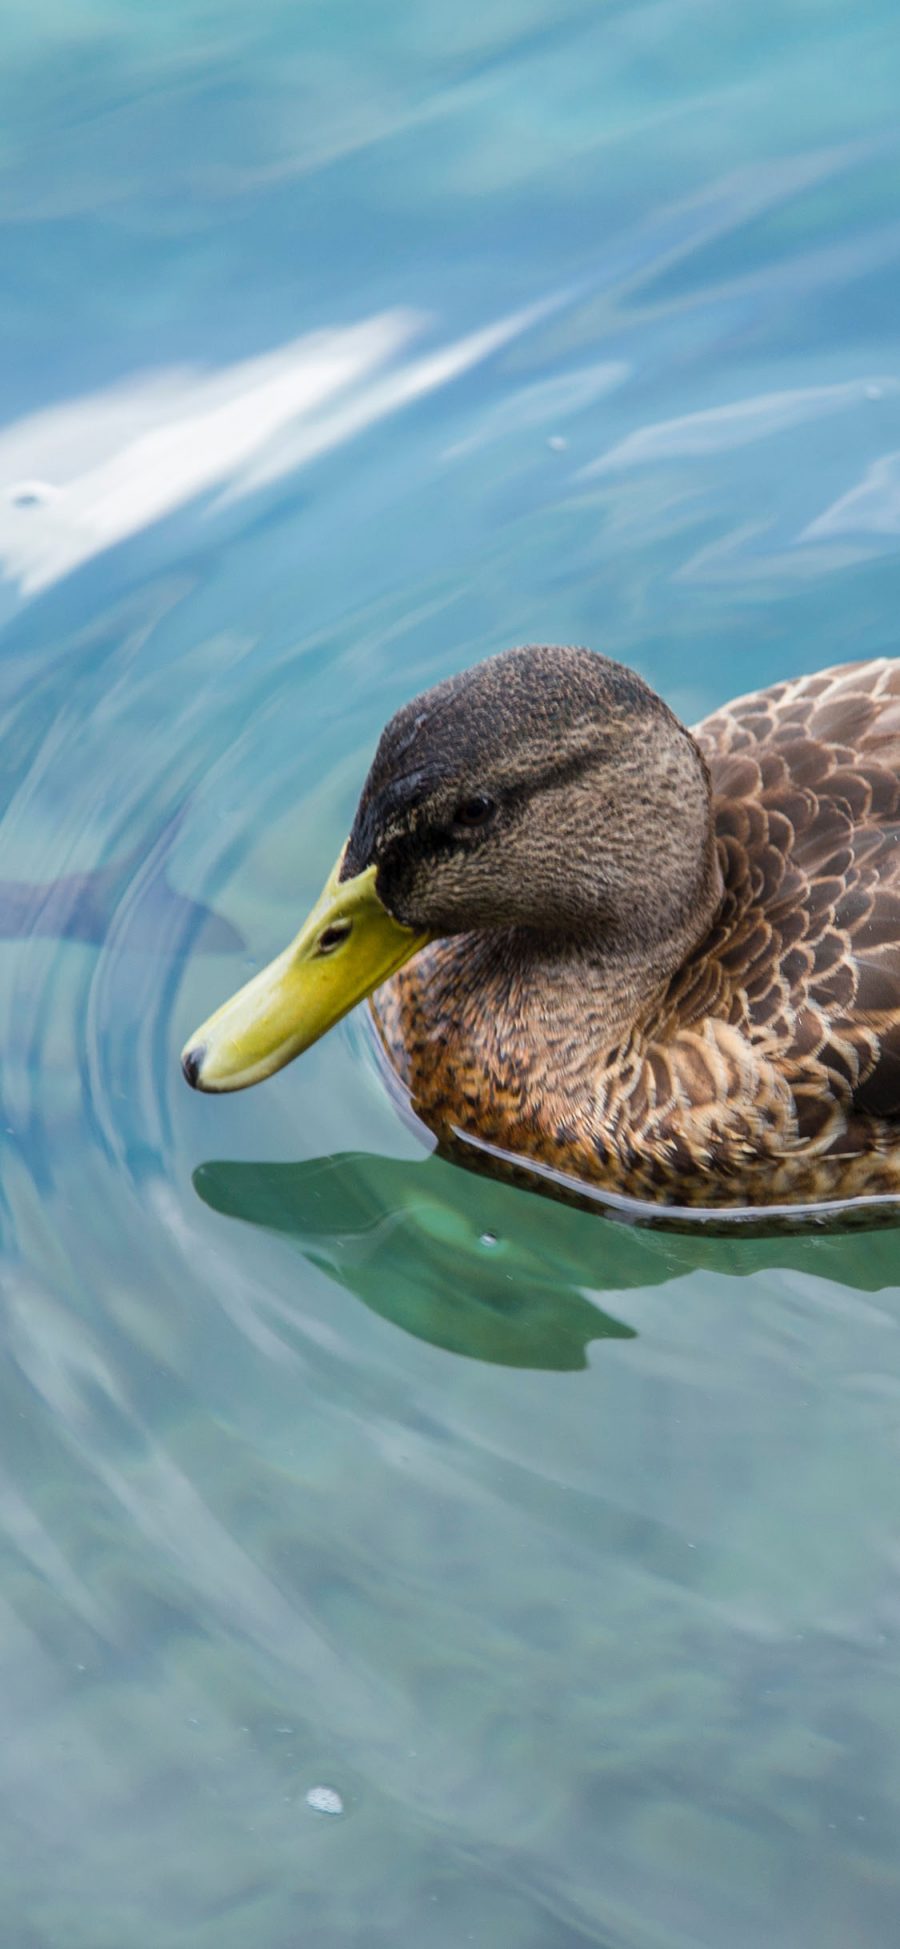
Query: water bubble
pixel 488 1238
pixel 324 1800
pixel 32 493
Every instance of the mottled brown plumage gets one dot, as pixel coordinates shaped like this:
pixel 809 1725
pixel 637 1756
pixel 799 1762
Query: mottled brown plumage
pixel 673 965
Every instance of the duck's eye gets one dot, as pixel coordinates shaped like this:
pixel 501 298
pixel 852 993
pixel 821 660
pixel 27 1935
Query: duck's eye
pixel 475 811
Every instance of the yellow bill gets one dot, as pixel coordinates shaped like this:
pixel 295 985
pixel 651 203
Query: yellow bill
pixel 349 945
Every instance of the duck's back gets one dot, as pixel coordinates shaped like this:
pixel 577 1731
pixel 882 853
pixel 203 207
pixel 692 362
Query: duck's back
pixel 790 1011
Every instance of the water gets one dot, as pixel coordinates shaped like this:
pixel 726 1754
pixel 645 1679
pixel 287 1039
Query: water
pixel 341 347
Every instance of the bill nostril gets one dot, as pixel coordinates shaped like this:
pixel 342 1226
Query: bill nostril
pixel 333 936
pixel 192 1063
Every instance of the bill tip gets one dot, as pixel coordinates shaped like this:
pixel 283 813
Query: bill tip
pixel 192 1062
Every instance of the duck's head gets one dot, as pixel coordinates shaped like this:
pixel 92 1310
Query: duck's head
pixel 547 793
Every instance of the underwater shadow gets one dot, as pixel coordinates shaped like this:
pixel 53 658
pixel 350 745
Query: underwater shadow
pixel 87 906
pixel 482 1268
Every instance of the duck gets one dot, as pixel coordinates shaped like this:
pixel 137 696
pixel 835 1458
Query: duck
pixel 599 944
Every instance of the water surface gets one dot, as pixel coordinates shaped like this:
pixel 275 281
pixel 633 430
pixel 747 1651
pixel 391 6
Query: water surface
pixel 342 347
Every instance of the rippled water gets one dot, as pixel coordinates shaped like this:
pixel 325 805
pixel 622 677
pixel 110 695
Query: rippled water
pixel 341 347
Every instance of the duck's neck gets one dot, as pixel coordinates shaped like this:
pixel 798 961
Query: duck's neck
pixel 511 1031
pixel 545 993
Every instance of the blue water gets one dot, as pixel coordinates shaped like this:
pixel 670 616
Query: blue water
pixel 339 347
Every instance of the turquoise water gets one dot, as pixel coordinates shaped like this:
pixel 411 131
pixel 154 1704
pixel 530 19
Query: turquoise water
pixel 341 347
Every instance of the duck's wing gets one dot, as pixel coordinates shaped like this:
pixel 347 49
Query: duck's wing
pixel 806 959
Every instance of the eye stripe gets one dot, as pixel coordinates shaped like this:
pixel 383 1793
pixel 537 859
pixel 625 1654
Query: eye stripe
pixel 381 822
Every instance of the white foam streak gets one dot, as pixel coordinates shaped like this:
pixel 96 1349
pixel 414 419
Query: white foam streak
pixel 547 402
pixel 721 428
pixel 872 507
pixel 385 396
pixel 78 478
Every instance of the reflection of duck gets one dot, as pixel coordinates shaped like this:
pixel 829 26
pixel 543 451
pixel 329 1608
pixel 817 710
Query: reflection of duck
pixel 480 1269
pixel 665 962
pixel 432 1250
